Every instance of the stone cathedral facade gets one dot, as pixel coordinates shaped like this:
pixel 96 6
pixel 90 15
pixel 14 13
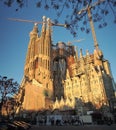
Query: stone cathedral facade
pixel 58 76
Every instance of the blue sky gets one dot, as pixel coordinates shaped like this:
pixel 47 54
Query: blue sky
pixel 14 39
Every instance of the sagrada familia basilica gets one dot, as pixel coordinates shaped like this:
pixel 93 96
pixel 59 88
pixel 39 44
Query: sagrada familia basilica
pixel 58 76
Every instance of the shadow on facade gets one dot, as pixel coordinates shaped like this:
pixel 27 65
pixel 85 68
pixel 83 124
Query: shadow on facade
pixel 64 113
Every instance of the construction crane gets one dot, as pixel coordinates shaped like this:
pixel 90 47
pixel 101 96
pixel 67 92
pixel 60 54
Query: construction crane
pixel 70 42
pixel 37 22
pixel 88 9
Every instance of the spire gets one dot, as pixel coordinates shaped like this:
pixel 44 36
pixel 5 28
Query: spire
pixel 48 23
pixel 87 52
pixel 47 44
pixel 81 54
pixel 87 56
pixel 44 24
pixel 42 38
pixel 34 32
pixel 48 27
pixel 76 50
pixel 35 28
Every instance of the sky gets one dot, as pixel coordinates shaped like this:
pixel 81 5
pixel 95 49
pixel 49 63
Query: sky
pixel 14 39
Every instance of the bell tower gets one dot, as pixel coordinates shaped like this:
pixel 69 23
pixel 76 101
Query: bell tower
pixel 37 85
pixel 29 69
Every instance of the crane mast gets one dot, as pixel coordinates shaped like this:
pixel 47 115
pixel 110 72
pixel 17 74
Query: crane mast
pixel 92 27
pixel 88 9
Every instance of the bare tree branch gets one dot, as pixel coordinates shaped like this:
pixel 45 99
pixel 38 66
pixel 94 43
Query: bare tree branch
pixel 71 18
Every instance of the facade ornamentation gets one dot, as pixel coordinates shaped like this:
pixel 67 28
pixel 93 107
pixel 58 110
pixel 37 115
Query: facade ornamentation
pixel 56 77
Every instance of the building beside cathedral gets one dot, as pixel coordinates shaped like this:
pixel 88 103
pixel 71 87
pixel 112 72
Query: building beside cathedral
pixel 58 76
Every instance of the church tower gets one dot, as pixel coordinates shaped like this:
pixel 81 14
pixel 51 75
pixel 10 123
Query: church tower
pixel 37 83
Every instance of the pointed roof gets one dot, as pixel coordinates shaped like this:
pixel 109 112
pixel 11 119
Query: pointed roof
pixel 81 53
pixel 34 32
